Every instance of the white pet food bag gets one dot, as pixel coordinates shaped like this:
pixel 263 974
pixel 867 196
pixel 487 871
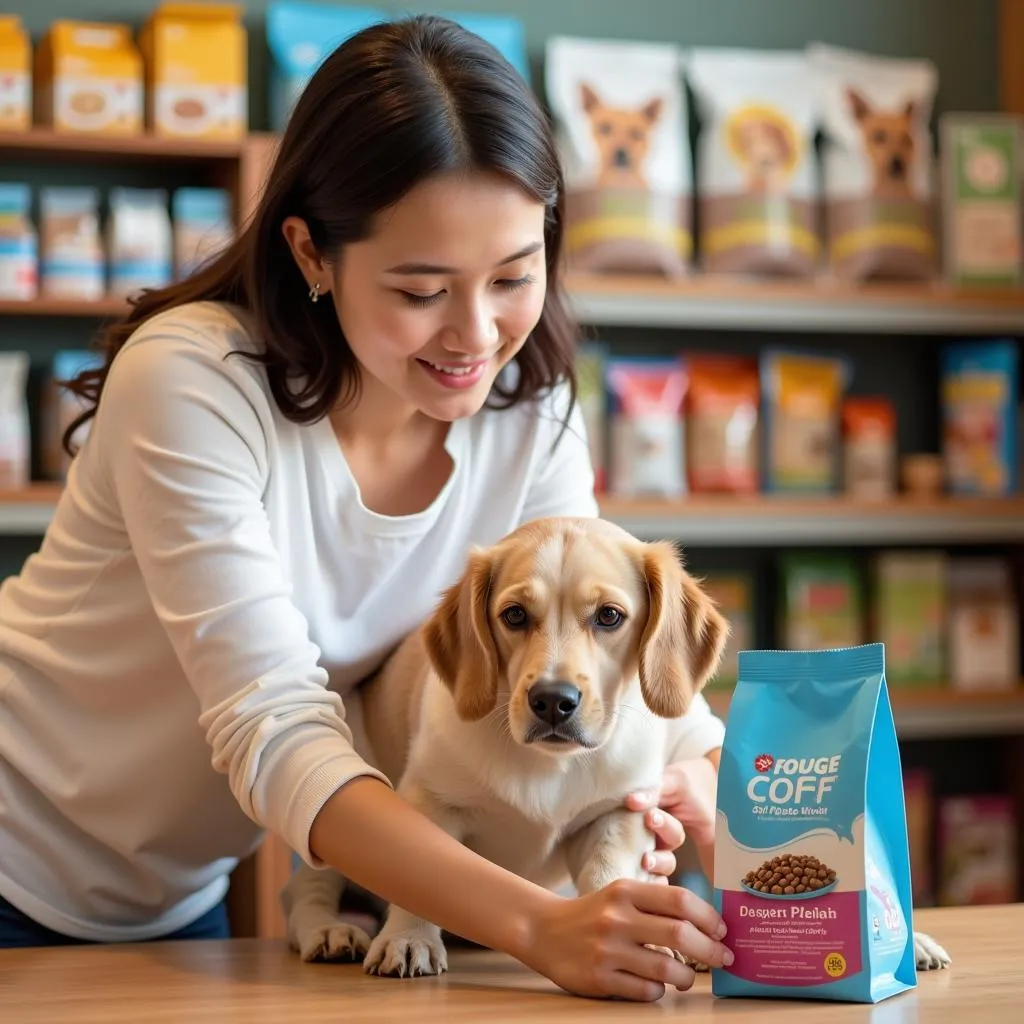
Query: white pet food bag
pixel 877 166
pixel 620 118
pixel 756 174
pixel 15 448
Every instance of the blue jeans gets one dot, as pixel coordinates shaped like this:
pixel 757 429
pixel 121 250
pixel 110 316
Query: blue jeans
pixel 19 930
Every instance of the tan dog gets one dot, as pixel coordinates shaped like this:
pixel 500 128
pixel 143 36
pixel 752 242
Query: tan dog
pixel 768 155
pixel 623 138
pixel 888 139
pixel 550 682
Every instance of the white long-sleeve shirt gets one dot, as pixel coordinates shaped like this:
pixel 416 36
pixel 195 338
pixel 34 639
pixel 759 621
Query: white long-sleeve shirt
pixel 173 659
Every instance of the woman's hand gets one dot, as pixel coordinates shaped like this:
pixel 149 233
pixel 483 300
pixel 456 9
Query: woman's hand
pixel 596 945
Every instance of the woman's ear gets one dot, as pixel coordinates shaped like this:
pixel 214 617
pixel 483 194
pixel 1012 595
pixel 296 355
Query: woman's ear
pixel 685 634
pixel 304 252
pixel 460 644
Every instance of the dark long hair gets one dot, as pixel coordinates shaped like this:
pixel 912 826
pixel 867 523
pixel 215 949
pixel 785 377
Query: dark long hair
pixel 393 105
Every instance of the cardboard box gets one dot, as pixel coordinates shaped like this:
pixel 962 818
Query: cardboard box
pixel 15 75
pixel 88 78
pixel 196 58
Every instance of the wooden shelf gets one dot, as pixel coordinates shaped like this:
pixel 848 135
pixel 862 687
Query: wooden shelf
pixel 45 142
pixel 768 520
pixel 937 713
pixel 85 308
pixel 763 305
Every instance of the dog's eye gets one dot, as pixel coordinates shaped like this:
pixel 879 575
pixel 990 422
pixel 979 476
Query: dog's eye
pixel 514 616
pixel 608 617
pixel 604 128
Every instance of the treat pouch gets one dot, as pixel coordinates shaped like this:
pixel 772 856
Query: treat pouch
pixel 812 869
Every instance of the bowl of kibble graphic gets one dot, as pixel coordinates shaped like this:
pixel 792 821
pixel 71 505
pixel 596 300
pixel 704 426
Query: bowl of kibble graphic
pixel 790 876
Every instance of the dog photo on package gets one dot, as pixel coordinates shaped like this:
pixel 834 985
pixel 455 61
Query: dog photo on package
pixel 812 865
pixel 620 120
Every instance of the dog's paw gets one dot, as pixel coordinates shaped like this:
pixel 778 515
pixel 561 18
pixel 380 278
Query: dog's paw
pixel 406 955
pixel 332 940
pixel 928 954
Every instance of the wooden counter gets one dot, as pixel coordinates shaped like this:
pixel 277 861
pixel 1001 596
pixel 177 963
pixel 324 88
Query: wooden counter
pixel 251 981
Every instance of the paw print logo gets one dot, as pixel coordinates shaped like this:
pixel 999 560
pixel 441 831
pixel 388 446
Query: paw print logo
pixel 763 763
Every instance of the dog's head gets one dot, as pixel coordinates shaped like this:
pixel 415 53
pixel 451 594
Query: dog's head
pixel 888 137
pixel 622 134
pixel 767 148
pixel 552 628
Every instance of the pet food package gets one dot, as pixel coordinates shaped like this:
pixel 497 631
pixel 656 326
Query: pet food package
pixel 593 399
pixel 977 851
pixel 984 625
pixel 621 124
pixel 196 58
pixel 71 263
pixel 877 168
pixel 982 198
pixel 920 806
pixel 812 867
pixel 869 447
pixel 59 407
pixel 19 245
pixel 15 75
pixel 756 171
pixel 507 34
pixel 15 441
pixel 645 407
pixel 733 593
pixel 803 404
pixel 203 226
pixel 980 395
pixel 89 78
pixel 300 36
pixel 139 245
pixel 911 601
pixel 722 409
pixel 821 601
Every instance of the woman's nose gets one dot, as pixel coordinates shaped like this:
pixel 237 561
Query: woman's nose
pixel 476 331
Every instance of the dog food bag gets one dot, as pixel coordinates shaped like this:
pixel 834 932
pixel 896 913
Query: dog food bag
pixel 821 601
pixel 196 58
pixel 977 850
pixel 300 36
pixel 877 167
pixel 139 245
pixel 15 441
pixel 15 75
pixel 984 625
pixel 980 395
pixel 71 264
pixel 507 34
pixel 803 405
pixel 812 868
pixel 646 426
pixel 756 175
pixel 19 247
pixel 869 447
pixel 59 406
pixel 982 198
pixel 621 122
pixel 733 593
pixel 203 226
pixel 593 399
pixel 920 808
pixel 722 405
pixel 89 78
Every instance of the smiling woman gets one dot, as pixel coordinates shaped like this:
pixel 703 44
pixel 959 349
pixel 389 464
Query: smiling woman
pixel 290 455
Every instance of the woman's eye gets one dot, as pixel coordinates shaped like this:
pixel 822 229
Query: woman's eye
pixel 514 616
pixel 421 301
pixel 609 617
pixel 513 284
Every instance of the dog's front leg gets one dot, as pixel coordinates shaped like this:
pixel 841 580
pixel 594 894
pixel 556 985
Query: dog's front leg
pixel 315 928
pixel 408 946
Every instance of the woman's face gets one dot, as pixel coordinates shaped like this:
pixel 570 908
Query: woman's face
pixel 443 293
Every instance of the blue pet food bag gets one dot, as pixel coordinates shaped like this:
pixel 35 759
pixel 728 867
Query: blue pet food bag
pixel 300 36
pixel 812 868
pixel 505 33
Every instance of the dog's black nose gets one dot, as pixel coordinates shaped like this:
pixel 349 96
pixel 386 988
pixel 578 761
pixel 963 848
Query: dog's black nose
pixel 897 167
pixel 621 157
pixel 554 703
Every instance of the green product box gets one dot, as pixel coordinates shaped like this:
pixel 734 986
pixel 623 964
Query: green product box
pixel 822 602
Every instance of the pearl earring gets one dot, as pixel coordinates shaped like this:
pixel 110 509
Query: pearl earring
pixel 314 292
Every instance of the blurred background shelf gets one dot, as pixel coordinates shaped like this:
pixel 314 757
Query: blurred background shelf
pixel 85 308
pixel 761 520
pixel 30 510
pixel 938 713
pixel 45 142
pixel 731 304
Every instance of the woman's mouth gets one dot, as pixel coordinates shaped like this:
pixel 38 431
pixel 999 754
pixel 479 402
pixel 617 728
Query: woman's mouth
pixel 456 376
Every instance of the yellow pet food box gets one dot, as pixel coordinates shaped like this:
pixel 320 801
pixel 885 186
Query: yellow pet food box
pixel 88 78
pixel 15 75
pixel 196 71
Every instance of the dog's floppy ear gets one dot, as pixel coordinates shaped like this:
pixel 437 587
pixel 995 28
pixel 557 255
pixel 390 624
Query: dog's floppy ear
pixel 588 97
pixel 652 109
pixel 460 644
pixel 860 106
pixel 910 110
pixel 684 637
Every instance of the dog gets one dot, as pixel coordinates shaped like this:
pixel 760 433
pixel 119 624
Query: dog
pixel 623 138
pixel 767 153
pixel 888 139
pixel 550 681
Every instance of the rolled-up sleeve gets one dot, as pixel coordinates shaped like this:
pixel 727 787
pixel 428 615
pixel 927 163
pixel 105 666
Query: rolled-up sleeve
pixel 185 450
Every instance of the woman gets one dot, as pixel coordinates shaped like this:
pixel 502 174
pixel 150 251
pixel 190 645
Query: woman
pixel 288 456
